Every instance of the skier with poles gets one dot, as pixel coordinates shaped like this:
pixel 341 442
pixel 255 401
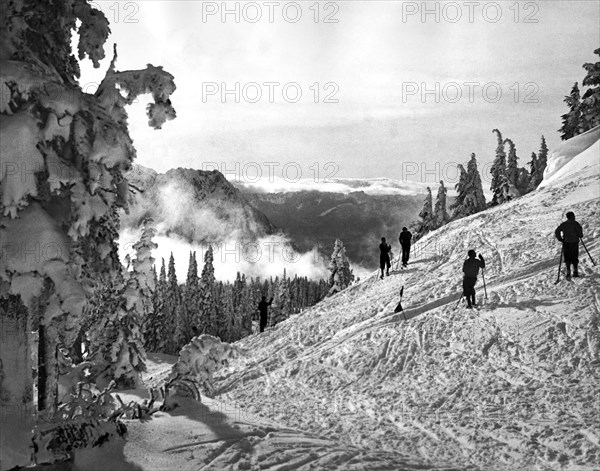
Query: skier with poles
pixel 569 233
pixel 384 257
pixel 471 270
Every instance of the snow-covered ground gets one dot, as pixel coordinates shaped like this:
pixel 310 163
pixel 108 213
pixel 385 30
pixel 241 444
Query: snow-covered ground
pixel 349 384
pixel 514 385
pixel 214 435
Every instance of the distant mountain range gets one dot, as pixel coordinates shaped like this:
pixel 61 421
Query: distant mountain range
pixel 204 207
pixel 312 218
pixel 200 206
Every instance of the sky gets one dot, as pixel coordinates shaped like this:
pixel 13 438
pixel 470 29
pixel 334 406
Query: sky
pixel 400 90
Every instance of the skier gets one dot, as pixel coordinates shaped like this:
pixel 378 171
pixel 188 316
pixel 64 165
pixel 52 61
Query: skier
pixel 405 237
pixel 263 307
pixel 471 270
pixel 384 256
pixel 569 233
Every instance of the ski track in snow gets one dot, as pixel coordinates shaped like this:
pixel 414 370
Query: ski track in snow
pixel 513 385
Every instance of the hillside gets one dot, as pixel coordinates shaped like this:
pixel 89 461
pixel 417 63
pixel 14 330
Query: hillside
pixel 513 385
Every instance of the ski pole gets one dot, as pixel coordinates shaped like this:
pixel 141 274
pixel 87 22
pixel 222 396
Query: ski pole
pixel 459 300
pixel 483 279
pixel 593 263
pixel 560 261
pixel 401 295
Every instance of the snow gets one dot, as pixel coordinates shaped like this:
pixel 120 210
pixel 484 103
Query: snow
pixel 573 156
pixel 512 386
pixel 349 384
pixel 21 159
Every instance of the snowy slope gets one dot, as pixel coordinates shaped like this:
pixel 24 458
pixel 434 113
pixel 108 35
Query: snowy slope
pixel 215 436
pixel 580 154
pixel 512 386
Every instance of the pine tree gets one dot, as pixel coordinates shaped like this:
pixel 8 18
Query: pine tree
pixel 475 197
pixel 590 103
pixel 461 192
pixel 425 224
pixel 523 181
pixel 172 309
pixel 500 183
pixel 533 165
pixel 572 125
pixel 340 274
pixel 280 309
pixel 141 277
pixel 542 161
pixel 188 313
pixel 155 331
pixel 226 315
pixel 512 164
pixel 239 309
pixel 207 303
pixel 440 213
pixel 246 307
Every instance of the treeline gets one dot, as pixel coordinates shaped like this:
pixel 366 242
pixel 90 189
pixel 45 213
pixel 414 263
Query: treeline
pixel 509 181
pixel 203 305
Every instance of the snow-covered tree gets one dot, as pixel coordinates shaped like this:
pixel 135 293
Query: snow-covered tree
pixel 340 274
pixel 512 163
pixel 207 308
pixel 155 328
pixel 523 181
pixel 246 308
pixel 78 148
pixel 461 192
pixel 500 183
pixel 192 375
pixel 121 340
pixel 172 307
pixel 226 314
pixel 281 307
pixel 538 165
pixel 590 102
pixel 426 217
pixel 572 125
pixel 584 111
pixel 188 312
pixel 533 169
pixel 440 213
pixel 475 197
pixel 141 278
pixel 541 162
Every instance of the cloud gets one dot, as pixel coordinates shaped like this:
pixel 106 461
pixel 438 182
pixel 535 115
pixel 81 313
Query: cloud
pixel 267 257
pixel 374 186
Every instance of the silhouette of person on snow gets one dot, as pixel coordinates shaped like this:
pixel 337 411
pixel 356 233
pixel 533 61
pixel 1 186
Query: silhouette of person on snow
pixel 405 238
pixel 471 270
pixel 569 233
pixel 384 256
pixel 263 307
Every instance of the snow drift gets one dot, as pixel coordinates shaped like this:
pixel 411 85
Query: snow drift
pixel 579 154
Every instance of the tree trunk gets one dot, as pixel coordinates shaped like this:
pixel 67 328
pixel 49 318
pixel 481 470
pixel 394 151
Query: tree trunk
pixel 16 384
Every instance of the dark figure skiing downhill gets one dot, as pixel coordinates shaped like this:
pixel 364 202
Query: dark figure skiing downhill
pixel 569 233
pixel 405 238
pixel 384 257
pixel 263 307
pixel 471 270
